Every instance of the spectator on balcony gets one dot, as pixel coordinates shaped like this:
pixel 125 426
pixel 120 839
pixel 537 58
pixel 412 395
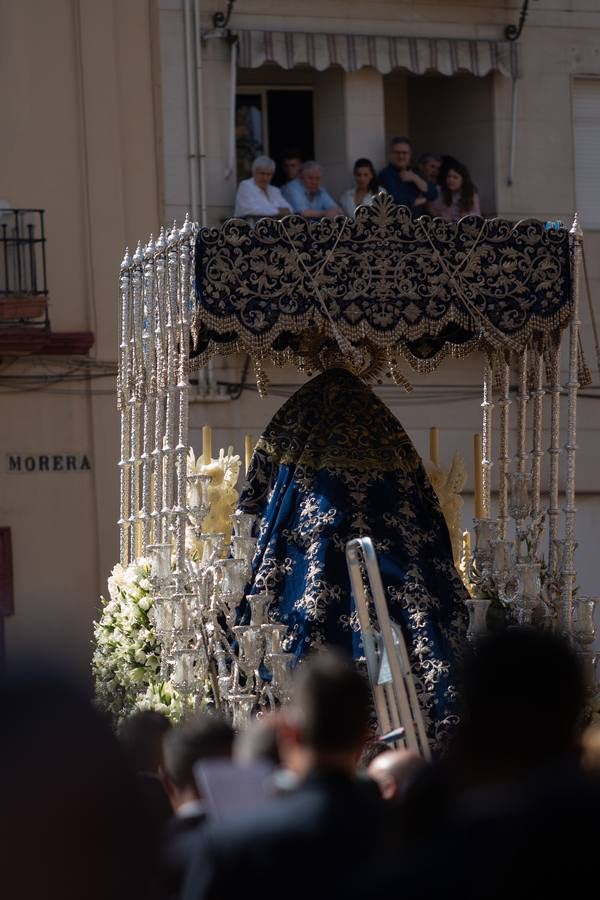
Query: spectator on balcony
pixel 257 197
pixel 289 167
pixel 365 187
pixel 429 167
pixel 408 188
pixel 306 196
pixel 457 196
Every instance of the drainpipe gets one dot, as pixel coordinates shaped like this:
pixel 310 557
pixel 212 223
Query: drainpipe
pixel 191 108
pixel 209 377
pixel 513 132
pixel 232 91
pixel 200 113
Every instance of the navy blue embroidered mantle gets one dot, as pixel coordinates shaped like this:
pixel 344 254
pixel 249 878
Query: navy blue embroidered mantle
pixel 334 463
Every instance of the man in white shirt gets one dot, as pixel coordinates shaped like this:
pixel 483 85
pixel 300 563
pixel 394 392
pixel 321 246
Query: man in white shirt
pixel 257 197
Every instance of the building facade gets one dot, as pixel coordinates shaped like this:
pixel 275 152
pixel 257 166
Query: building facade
pixel 130 114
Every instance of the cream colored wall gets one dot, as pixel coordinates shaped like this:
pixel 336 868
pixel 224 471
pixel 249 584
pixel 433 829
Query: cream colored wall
pixel 395 96
pixel 455 116
pixel 79 141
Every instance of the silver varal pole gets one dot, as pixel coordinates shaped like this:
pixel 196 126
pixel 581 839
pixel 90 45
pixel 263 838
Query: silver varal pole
pixel 538 451
pixel 137 398
pixel 161 381
pixel 487 408
pixel 123 394
pixel 554 452
pixel 169 435
pixel 150 404
pixel 504 448
pixel 570 510
pixel 184 286
pixel 522 400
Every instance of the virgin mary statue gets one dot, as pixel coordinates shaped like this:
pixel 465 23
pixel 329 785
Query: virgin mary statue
pixel 334 464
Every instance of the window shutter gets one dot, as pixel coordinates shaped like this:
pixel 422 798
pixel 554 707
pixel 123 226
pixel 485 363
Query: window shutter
pixel 586 123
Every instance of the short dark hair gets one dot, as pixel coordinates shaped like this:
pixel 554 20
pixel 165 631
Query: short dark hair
pixel 400 140
pixel 141 735
pixel 292 153
pixel 333 702
pixel 372 750
pixel 208 737
pixel 523 697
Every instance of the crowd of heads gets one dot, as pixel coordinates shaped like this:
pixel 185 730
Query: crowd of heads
pixel 437 185
pixel 134 814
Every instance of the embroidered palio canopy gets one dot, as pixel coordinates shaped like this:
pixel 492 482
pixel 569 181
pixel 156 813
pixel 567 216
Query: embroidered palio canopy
pixel 382 52
pixel 380 285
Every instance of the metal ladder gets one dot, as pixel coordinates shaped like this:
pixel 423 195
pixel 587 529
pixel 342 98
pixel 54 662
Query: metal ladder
pixel 388 665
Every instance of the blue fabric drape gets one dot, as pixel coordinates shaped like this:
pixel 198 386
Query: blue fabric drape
pixel 334 464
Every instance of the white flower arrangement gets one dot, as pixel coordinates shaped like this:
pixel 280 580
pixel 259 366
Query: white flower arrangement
pixel 127 656
pixel 126 660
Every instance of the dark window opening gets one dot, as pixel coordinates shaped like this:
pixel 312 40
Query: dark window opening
pixel 271 121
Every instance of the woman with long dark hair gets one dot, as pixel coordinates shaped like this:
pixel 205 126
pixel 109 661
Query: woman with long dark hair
pixel 365 186
pixel 457 196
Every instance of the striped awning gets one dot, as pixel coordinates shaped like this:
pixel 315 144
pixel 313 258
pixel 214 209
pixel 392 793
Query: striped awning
pixel 447 56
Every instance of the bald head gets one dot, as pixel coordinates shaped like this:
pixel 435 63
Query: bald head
pixel 393 770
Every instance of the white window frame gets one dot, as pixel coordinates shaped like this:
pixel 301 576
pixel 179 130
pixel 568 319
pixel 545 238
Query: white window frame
pixel 588 225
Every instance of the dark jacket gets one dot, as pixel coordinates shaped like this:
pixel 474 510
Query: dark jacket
pixel 179 843
pixel 405 192
pixel 305 844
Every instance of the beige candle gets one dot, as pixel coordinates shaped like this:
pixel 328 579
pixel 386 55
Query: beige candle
pixel 206 445
pixel 434 446
pixel 478 476
pixel 249 448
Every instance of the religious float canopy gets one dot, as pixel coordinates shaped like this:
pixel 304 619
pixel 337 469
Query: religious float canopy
pixel 386 285
pixel 374 293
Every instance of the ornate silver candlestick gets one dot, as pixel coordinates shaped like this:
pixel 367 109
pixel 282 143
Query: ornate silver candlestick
pixel 480 576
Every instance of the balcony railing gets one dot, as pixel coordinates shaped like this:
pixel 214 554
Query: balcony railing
pixel 23 283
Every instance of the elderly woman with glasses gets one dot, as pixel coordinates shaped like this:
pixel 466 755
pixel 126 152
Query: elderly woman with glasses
pixel 257 197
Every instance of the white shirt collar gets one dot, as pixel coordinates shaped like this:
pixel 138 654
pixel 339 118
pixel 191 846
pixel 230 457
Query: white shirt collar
pixel 191 808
